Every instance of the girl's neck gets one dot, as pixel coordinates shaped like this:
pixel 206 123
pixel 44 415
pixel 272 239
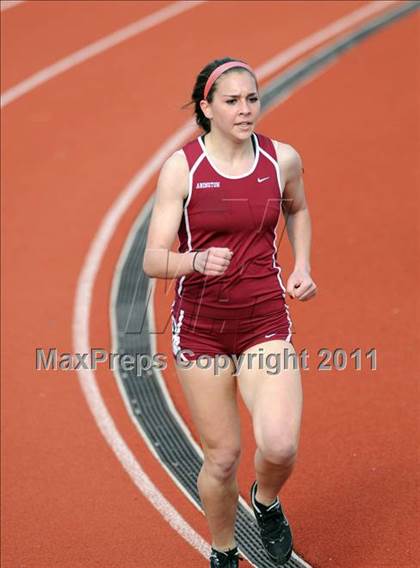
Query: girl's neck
pixel 228 150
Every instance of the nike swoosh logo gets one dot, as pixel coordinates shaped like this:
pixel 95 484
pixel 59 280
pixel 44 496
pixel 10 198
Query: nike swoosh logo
pixel 270 334
pixel 260 180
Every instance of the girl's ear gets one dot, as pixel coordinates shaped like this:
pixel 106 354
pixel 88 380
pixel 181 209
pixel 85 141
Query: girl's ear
pixel 206 108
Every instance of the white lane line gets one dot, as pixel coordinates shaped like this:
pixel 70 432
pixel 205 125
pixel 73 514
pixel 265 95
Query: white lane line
pixel 323 35
pixel 87 379
pixel 7 4
pixel 96 48
pixel 125 456
pixel 82 309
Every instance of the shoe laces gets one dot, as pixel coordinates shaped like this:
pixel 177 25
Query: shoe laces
pixel 272 524
pixel 225 559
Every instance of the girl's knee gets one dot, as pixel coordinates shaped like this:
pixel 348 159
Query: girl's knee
pixel 222 463
pixel 279 450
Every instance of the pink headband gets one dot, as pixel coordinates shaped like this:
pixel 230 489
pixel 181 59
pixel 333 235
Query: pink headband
pixel 221 69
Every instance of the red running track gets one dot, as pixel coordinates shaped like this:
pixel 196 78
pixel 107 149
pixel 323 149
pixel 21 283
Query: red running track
pixel 71 146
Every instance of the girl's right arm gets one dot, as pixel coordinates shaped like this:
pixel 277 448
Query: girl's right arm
pixel 159 261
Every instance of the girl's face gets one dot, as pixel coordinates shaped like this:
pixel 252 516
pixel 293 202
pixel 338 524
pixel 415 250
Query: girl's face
pixel 236 105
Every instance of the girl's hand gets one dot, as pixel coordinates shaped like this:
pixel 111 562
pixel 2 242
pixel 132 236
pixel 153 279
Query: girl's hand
pixel 213 261
pixel 301 286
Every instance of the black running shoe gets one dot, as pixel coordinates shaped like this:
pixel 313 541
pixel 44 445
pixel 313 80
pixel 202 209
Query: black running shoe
pixel 275 531
pixel 229 559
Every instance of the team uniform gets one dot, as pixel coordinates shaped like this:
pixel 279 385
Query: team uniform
pixel 246 305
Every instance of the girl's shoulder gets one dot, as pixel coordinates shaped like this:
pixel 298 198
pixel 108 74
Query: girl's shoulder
pixel 287 156
pixel 283 150
pixel 173 177
pixel 176 164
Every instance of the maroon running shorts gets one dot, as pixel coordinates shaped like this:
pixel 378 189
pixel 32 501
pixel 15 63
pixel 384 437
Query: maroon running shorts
pixel 193 336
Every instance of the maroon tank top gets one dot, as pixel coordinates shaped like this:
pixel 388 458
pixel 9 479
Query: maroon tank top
pixel 240 213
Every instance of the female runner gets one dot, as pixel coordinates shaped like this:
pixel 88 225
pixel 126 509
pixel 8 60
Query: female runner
pixel 223 193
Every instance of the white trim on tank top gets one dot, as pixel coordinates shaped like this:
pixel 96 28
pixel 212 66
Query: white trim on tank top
pixel 257 156
pixel 277 169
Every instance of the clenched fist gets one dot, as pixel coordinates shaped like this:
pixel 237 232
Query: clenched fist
pixel 213 261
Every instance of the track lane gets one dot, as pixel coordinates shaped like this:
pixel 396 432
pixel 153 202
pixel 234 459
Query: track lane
pixel 42 32
pixel 75 234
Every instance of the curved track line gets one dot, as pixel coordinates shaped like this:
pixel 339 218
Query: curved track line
pixel 81 339
pixel 95 48
pixel 7 4
pixel 324 34
pixel 81 331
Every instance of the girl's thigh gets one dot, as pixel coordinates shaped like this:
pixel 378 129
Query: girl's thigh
pixel 212 400
pixel 270 385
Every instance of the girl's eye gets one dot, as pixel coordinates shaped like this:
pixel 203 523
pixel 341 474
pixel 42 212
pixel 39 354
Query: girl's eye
pixel 251 99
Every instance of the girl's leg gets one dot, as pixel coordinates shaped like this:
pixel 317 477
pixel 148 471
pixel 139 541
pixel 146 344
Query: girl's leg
pixel 275 404
pixel 213 405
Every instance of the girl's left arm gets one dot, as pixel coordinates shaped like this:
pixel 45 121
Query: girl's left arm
pixel 298 223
